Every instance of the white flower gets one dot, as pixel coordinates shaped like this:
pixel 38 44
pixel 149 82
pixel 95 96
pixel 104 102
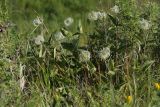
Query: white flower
pixel 115 9
pixel 58 36
pixel 39 39
pixel 84 56
pixel 145 24
pixel 37 21
pixel 69 21
pixel 96 15
pixel 104 53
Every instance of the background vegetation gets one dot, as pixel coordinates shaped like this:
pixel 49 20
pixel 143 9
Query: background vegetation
pixel 109 62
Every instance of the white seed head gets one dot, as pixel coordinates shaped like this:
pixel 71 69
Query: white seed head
pixel 104 53
pixel 93 16
pixel 101 15
pixel 145 24
pixel 69 21
pixel 96 15
pixel 84 56
pixel 39 40
pixel 37 21
pixel 58 36
pixel 115 9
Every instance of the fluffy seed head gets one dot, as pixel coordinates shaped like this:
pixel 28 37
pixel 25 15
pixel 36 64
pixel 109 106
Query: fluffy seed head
pixel 84 56
pixel 96 15
pixel 58 36
pixel 69 21
pixel 145 24
pixel 37 21
pixel 104 53
pixel 39 40
pixel 115 9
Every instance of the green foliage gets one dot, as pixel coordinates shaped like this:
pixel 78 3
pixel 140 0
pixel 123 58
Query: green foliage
pixel 110 61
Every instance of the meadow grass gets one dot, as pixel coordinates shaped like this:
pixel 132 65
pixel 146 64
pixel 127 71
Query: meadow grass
pixel 79 53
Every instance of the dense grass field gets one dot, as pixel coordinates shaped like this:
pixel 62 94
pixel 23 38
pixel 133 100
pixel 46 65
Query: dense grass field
pixel 79 53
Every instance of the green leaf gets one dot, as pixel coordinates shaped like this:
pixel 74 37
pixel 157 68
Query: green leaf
pixel 115 20
pixel 66 33
pixel 82 41
pixel 147 65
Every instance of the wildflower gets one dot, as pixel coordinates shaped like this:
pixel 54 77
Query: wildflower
pixel 84 56
pixel 39 39
pixel 129 99
pixel 68 21
pixel 94 15
pixel 37 21
pixel 104 53
pixel 157 86
pixel 145 24
pixel 58 36
pixel 115 9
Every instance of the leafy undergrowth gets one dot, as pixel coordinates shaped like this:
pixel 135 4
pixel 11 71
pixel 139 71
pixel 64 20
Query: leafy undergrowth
pixel 111 60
